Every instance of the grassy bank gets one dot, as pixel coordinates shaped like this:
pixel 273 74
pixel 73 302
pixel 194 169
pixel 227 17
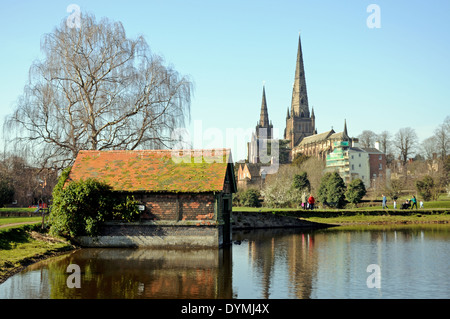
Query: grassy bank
pixel 25 244
pixel 10 222
pixel 359 216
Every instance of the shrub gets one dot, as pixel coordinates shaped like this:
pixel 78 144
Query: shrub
pixel 428 189
pixel 355 191
pixel 6 192
pixel 250 198
pixel 79 207
pixel 331 190
pixel 301 182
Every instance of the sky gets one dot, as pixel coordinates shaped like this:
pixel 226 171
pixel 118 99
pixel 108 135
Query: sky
pixel 378 70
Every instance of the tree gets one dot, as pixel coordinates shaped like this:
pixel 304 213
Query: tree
pixel 405 141
pixel 331 190
pixel 6 192
pixel 385 139
pixel 313 167
pixel 355 191
pixel 299 159
pixel 442 138
pixel 427 188
pixel 396 188
pixel 278 190
pixel 301 182
pixel 97 89
pixel 429 147
pixel 367 138
pixel 250 198
pixel 80 207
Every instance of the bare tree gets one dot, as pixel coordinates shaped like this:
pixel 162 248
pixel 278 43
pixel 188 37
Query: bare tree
pixel 405 141
pixel 442 138
pixel 429 147
pixel 385 140
pixel 97 89
pixel 367 138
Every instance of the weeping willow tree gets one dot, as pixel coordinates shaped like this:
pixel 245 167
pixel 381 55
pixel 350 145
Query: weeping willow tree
pixel 96 89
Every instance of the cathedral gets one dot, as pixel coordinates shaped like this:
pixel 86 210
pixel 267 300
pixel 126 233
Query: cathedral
pixel 299 122
pixel 300 134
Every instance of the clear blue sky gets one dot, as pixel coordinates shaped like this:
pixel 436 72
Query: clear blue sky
pixel 378 79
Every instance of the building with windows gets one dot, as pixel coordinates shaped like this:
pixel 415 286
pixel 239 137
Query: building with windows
pixel 377 165
pixel 350 162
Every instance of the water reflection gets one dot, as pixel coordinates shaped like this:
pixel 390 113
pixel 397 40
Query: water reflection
pixel 327 263
pixel 128 273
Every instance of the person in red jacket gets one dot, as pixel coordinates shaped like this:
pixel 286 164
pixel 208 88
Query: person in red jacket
pixel 311 202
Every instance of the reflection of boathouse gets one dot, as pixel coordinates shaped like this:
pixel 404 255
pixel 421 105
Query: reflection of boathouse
pixel 145 273
pixel 185 195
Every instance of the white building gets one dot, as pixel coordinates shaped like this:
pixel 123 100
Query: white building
pixel 350 162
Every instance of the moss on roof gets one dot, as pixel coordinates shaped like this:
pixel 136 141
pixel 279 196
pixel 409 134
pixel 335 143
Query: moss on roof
pixel 155 170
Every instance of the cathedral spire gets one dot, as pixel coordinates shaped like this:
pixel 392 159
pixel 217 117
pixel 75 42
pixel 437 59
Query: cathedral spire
pixel 299 104
pixel 264 117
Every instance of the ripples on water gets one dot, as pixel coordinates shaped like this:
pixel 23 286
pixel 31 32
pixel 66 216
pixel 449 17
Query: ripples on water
pixel 281 264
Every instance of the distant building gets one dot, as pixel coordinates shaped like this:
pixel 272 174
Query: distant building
pixel 251 175
pixel 258 148
pixel 300 134
pixel 299 122
pixel 350 162
pixel 377 165
pixel 320 145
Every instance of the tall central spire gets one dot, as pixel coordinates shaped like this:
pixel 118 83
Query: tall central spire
pixel 264 116
pixel 299 105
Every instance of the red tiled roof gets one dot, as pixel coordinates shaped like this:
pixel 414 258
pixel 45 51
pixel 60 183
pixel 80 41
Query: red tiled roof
pixel 155 170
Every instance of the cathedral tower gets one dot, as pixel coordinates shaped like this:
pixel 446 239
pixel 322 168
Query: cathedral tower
pixel 299 122
pixel 257 147
pixel 264 120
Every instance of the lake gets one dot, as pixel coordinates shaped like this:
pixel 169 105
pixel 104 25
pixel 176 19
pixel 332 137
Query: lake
pixel 341 262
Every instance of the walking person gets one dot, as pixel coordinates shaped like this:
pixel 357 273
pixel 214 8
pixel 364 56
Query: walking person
pixel 421 204
pixel 414 202
pixel 311 202
pixel 304 200
pixel 395 204
pixel 384 202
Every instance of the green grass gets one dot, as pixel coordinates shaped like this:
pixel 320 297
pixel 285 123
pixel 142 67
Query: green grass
pixel 433 212
pixel 13 220
pixel 18 209
pixel 383 219
pixel 442 204
pixel 18 248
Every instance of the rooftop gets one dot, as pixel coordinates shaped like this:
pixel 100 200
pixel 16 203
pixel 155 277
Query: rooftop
pixel 155 170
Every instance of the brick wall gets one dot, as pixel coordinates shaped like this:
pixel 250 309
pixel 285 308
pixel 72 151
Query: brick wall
pixel 164 206
pixel 374 163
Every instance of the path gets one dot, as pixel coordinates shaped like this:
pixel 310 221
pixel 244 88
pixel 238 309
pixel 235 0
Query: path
pixel 15 224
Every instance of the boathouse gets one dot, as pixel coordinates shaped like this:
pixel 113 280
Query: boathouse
pixel 185 196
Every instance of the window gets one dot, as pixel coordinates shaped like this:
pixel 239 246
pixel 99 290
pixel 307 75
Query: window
pixel 380 166
pixel 352 157
pixel 353 167
pixel 359 165
pixel 359 154
pixel 380 157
